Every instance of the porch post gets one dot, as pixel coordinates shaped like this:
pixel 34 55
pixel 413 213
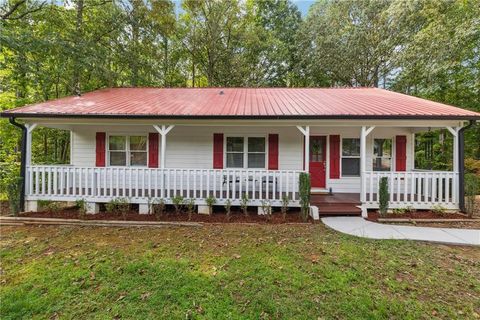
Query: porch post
pixel 306 159
pixel 30 128
pixel 455 167
pixel 365 131
pixel 163 131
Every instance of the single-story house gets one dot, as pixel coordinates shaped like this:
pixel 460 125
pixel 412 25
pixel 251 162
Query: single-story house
pixel 147 143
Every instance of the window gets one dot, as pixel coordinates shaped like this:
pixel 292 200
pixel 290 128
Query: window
pixel 235 152
pixel 382 154
pixel 256 152
pixel 250 155
pixel 350 157
pixel 127 150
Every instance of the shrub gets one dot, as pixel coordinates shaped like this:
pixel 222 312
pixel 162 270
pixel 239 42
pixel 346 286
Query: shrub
pixel 14 188
pixel 158 207
pixel 383 196
pixel 285 203
pixel 118 205
pixel 228 209
pixel 11 183
pixel 48 206
pixel 82 206
pixel 304 190
pixel 472 188
pixel 267 209
pixel 177 202
pixel 190 207
pixel 244 204
pixel 438 209
pixel 210 201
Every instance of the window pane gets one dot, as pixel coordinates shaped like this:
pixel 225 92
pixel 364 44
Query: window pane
pixel 351 167
pixel 256 160
pixel 138 143
pixel 382 147
pixel 256 144
pixel 235 144
pixel 381 164
pixel 351 147
pixel 117 142
pixel 138 158
pixel 234 160
pixel 118 158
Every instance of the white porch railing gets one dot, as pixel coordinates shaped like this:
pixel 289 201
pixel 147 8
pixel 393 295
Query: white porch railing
pixel 97 184
pixel 418 189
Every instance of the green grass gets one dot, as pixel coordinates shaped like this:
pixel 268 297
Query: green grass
pixel 231 272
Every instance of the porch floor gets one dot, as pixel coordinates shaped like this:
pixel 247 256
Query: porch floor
pixel 337 204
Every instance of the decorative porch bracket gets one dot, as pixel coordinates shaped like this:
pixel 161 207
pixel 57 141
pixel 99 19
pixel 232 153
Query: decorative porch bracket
pixel 163 131
pixel 363 162
pixel 306 133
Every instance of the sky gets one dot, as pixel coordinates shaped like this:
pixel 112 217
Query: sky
pixel 303 5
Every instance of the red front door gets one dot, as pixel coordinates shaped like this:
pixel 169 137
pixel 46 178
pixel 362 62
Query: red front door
pixel 318 147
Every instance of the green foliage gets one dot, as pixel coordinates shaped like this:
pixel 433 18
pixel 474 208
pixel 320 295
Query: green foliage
pixel 228 209
pixel 82 206
pixel 472 189
pixel 266 209
pixel 304 190
pixel 48 206
pixel 383 196
pixel 177 202
pixel 158 207
pixel 408 209
pixel 210 201
pixel 244 204
pixel 190 207
pixel 285 203
pixel 119 206
pixel 439 209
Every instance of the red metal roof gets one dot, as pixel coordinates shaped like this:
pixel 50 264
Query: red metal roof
pixel 243 103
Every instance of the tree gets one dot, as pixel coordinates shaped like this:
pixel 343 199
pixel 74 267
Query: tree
pixel 349 43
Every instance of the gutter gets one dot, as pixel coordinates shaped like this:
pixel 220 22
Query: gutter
pixel 23 161
pixel 461 164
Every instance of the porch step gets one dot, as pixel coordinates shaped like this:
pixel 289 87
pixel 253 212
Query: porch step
pixel 337 209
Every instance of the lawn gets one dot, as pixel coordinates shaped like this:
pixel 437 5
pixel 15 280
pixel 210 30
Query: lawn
pixel 231 272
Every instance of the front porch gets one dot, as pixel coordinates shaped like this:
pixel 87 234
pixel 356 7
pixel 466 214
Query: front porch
pixel 343 158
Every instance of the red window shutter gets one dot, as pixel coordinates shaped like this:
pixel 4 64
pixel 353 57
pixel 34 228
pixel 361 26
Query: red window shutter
pixel 334 157
pixel 218 151
pixel 273 152
pixel 153 150
pixel 100 149
pixel 401 153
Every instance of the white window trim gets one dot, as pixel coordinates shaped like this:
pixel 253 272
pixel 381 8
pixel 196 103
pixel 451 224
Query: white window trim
pixel 392 156
pixel 127 148
pixel 245 150
pixel 350 157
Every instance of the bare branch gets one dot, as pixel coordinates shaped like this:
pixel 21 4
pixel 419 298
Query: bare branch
pixel 15 7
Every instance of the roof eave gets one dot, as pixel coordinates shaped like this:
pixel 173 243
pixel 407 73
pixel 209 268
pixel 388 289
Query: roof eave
pixel 242 117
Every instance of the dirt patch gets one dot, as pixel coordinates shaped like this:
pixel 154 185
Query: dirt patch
pixel 453 224
pixel 218 216
pixel 421 214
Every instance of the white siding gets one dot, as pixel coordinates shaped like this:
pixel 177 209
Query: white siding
pixel 192 146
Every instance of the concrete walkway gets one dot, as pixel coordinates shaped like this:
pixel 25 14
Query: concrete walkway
pixel 357 226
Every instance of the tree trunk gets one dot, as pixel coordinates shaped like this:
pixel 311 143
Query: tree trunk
pixel 76 87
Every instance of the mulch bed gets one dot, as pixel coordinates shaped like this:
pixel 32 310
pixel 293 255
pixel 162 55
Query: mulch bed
pixel 421 214
pixel 218 216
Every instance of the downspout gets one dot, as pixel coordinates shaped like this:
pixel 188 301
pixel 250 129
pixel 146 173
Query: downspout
pixel 461 165
pixel 23 161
